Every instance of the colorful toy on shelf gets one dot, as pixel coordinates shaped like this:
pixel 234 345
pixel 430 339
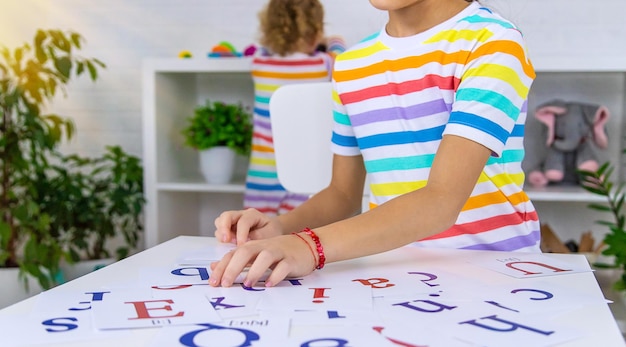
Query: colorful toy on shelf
pixel 574 138
pixel 249 51
pixel 224 49
pixel 184 54
pixel 336 45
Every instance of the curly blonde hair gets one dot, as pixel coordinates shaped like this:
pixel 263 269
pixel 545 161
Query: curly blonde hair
pixel 287 25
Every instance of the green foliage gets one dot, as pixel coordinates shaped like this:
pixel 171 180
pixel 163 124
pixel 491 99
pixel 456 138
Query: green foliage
pixel 599 182
pixel 30 77
pixel 220 124
pixel 91 201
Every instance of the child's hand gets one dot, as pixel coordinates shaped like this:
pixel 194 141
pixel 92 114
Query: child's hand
pixel 285 255
pixel 240 226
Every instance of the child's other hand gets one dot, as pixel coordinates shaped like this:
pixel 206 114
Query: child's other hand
pixel 285 255
pixel 240 226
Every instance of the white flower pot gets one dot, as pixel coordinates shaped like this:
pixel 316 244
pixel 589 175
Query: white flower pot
pixel 83 267
pixel 13 289
pixel 217 164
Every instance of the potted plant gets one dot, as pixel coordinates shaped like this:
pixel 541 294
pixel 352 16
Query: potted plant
pixel 600 182
pixel 92 202
pixel 219 131
pixel 30 77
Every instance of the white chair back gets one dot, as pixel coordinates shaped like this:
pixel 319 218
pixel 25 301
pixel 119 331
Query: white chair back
pixel 302 122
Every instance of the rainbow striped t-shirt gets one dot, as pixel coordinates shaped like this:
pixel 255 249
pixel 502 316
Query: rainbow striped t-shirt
pixel 469 76
pixel 270 72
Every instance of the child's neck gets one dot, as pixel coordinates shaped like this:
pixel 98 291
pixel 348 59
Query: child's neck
pixel 306 48
pixel 422 16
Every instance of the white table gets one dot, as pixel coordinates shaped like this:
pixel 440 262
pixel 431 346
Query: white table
pixel 596 318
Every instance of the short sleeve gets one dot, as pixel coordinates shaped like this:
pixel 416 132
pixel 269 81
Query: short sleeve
pixel 492 91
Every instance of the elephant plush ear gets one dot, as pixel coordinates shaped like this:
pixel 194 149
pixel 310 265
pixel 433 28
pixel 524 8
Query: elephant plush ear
pixel 546 113
pixel 597 116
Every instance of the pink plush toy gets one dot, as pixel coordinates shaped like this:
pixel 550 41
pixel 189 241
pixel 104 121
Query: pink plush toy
pixel 575 139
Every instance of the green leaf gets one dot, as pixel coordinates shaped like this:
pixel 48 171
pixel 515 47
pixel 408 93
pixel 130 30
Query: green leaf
pixel 63 66
pixel 76 40
pixel 80 68
pixel 99 62
pixel 219 124
pixel 92 70
pixel 18 54
pixel 599 207
pixel 60 41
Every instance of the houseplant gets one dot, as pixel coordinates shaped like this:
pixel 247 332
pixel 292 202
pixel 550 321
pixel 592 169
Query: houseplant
pixel 30 77
pixel 219 129
pixel 93 201
pixel 601 183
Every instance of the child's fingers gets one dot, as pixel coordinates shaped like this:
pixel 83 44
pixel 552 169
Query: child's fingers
pixel 218 269
pixel 258 270
pixel 224 225
pixel 234 263
pixel 279 273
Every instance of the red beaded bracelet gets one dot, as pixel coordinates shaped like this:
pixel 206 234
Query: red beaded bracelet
pixel 318 245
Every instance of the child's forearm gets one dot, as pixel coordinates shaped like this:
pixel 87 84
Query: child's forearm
pixel 388 226
pixel 325 207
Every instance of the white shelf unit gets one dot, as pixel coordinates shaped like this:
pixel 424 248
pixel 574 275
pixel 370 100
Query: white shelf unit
pixel 599 81
pixel 181 203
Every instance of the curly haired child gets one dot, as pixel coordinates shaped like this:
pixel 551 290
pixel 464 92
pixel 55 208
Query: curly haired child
pixel 292 32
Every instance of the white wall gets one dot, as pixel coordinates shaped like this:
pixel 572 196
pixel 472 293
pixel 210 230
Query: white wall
pixel 124 32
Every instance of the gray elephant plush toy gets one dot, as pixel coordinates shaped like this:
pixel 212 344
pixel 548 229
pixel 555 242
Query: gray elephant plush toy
pixel 575 138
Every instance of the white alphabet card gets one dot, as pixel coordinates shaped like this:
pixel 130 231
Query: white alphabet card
pixel 138 308
pixel 184 274
pixel 526 265
pixel 317 297
pixel 206 255
pixel 262 330
pixel 59 317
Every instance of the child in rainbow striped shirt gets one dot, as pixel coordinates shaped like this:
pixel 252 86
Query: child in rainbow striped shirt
pixel 291 31
pixel 432 108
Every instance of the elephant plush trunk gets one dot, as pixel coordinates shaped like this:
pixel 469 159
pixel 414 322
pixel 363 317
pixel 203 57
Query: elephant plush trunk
pixel 569 132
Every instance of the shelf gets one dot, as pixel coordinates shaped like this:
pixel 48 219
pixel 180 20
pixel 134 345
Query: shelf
pixel 180 202
pixel 562 194
pixel 599 63
pixel 198 65
pixel 200 187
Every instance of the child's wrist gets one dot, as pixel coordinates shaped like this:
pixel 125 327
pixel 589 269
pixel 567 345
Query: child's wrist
pixel 317 250
pixel 308 244
pixel 321 257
